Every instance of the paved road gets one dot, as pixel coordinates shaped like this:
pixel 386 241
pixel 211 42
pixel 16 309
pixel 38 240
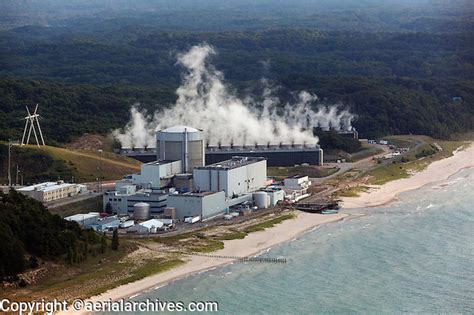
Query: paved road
pixel 343 167
pixel 68 200
pixel 362 165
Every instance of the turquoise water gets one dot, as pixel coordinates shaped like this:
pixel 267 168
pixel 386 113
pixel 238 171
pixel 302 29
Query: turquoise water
pixel 415 256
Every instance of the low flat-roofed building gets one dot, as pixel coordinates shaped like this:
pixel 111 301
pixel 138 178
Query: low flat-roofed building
pixel 122 202
pixel 297 182
pixel 204 204
pixel 84 219
pixel 50 191
pixel 276 194
pixel 296 187
pixel 106 224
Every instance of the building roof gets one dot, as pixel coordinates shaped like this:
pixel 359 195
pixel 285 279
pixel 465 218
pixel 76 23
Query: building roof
pixel 108 221
pixel 47 186
pixel 297 176
pixel 196 194
pixel 81 217
pixel 234 162
pixel 152 223
pixel 160 162
pixel 180 129
pixel 138 229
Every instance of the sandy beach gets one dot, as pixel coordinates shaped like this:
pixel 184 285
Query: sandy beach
pixel 435 172
pixel 252 244
pixel 257 242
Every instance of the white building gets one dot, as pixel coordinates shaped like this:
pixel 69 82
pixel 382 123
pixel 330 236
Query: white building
pixel 147 227
pixel 276 194
pixel 122 201
pixel 204 204
pixel 50 191
pixel 84 219
pixel 154 175
pixel 237 176
pixel 296 187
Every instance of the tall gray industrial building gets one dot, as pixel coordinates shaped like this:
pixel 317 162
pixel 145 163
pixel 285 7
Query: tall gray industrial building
pixel 181 143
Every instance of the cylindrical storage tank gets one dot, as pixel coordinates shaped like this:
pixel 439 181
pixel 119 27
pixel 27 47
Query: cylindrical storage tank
pixel 285 146
pixel 141 211
pixel 225 147
pixel 181 143
pixel 237 147
pixel 298 146
pixel 261 199
pixel 262 146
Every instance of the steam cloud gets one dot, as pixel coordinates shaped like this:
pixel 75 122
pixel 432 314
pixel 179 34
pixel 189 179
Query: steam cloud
pixel 205 103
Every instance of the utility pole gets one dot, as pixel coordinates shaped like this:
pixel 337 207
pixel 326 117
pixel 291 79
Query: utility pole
pixel 9 158
pixel 100 171
pixel 10 145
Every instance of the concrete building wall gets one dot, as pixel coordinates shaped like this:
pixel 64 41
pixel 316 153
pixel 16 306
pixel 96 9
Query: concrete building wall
pixel 50 191
pixel 123 204
pixel 195 204
pixel 213 205
pixel 156 174
pixel 274 157
pixel 181 143
pixel 234 181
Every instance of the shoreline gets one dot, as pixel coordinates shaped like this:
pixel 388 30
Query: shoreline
pixel 253 244
pixel 437 171
pixel 257 243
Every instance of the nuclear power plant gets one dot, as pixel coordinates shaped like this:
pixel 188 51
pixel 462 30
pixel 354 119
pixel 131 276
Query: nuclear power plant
pixel 188 145
pixel 187 180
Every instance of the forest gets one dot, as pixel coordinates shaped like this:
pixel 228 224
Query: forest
pixel 29 233
pixel 400 66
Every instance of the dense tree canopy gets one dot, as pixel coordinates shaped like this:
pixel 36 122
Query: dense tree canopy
pixel 400 66
pixel 27 227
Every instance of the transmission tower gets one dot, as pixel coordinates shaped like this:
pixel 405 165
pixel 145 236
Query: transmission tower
pixel 30 121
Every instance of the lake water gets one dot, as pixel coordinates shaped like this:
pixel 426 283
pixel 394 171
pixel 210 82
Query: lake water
pixel 415 255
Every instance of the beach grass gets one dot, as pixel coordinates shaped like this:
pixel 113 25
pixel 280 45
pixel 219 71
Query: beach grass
pixel 268 223
pixel 233 235
pixel 353 191
pixel 427 150
pixel 387 173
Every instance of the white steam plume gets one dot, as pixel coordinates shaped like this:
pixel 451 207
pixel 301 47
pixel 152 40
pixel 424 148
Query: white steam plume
pixel 205 103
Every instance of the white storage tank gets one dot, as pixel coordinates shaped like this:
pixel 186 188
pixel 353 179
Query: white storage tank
pixel 141 211
pixel 261 199
pixel 181 143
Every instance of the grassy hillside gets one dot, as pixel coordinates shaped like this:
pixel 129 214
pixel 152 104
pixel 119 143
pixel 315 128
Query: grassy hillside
pixel 52 163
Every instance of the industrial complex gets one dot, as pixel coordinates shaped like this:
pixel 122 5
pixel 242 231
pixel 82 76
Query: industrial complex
pixel 188 145
pixel 275 154
pixel 178 186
